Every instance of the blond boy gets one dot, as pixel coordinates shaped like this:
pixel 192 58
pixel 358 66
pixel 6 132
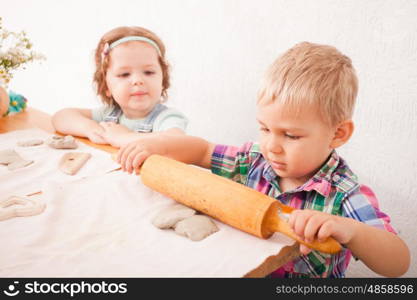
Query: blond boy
pixel 305 107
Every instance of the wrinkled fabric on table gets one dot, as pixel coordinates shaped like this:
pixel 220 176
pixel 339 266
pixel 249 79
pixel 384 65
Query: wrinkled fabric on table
pixel 101 226
pixel 26 180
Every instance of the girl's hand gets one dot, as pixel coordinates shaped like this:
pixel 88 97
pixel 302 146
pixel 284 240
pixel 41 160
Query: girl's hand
pixel 132 156
pixel 95 135
pixel 114 134
pixel 312 224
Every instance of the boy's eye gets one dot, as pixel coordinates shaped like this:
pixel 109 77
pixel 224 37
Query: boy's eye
pixel 292 137
pixel 149 72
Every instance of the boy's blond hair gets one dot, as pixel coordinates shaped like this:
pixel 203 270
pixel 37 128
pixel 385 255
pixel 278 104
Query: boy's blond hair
pixel 312 74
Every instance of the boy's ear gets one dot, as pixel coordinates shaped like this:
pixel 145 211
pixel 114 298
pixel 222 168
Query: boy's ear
pixel 342 134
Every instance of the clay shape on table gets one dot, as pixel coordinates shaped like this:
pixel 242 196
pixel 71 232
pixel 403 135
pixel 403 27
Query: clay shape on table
pixel 169 216
pixel 30 143
pixel 62 142
pixel 196 227
pixel 71 162
pixel 16 206
pixel 13 160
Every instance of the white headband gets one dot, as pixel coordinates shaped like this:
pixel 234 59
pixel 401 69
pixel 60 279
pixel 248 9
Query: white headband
pixel 125 39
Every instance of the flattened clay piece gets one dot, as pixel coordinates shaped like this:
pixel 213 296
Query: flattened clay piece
pixel 196 227
pixel 30 143
pixel 16 206
pixel 62 142
pixel 19 164
pixel 168 217
pixel 71 162
pixel 13 160
pixel 8 156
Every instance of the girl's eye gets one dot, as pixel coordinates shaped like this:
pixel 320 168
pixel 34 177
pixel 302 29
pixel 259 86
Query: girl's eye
pixel 292 137
pixel 149 72
pixel 123 75
pixel 264 129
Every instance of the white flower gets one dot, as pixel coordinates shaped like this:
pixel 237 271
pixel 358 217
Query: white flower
pixel 15 51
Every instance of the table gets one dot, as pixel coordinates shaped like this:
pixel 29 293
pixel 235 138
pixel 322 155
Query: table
pixel 33 118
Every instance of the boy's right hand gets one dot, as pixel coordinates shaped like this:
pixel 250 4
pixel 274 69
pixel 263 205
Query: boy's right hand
pixel 312 224
pixel 132 156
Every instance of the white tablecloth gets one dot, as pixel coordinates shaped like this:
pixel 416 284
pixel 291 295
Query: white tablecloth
pixel 45 167
pixel 100 226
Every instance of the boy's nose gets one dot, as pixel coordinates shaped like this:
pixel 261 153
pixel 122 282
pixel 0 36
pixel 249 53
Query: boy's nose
pixel 274 146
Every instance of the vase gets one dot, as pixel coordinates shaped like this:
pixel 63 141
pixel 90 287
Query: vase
pixel 4 101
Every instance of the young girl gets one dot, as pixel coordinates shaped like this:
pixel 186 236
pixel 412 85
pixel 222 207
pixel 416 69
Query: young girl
pixel 132 78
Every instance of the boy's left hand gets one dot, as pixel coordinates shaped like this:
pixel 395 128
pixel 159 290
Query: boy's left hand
pixel 132 155
pixel 312 224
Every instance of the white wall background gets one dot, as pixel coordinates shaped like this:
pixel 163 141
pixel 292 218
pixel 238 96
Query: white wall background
pixel 219 50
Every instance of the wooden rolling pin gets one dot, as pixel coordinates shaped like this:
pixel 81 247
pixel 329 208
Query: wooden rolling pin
pixel 223 199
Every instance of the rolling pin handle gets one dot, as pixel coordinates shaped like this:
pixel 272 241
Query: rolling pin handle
pixel 330 245
pixel 278 222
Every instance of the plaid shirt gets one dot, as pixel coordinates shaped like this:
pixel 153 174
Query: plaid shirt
pixel 334 189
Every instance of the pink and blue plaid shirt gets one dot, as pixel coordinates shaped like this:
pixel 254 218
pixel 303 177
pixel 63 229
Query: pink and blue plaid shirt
pixel 334 189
